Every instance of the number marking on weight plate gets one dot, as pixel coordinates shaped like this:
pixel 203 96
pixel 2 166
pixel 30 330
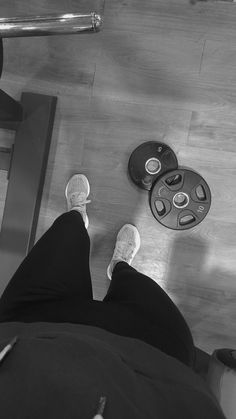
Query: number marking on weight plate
pixel 200 208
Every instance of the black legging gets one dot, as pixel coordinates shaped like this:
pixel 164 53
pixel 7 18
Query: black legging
pixel 53 284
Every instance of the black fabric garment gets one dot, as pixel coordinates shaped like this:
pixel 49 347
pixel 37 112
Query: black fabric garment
pixel 53 284
pixel 134 348
pixel 59 371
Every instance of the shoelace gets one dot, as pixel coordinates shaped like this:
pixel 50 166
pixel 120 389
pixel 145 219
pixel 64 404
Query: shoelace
pixel 81 206
pixel 78 200
pixel 125 250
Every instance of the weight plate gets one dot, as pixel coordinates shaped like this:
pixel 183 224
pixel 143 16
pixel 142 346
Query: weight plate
pixel 149 161
pixel 180 199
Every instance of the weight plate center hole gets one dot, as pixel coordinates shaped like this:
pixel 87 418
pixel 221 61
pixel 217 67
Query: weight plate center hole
pixel 181 200
pixel 153 166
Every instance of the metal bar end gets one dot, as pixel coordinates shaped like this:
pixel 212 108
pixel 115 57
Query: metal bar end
pixel 97 21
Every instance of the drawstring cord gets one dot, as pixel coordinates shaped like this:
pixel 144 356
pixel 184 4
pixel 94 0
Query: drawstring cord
pixel 8 348
pixel 101 407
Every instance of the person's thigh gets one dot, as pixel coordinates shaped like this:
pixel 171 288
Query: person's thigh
pixel 117 318
pixel 57 267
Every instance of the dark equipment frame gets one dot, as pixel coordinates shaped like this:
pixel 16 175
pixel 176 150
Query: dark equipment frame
pixel 26 164
pixel 32 119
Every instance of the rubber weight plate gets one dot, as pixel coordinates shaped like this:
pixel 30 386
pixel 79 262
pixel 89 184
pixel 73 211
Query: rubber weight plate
pixel 149 161
pixel 180 199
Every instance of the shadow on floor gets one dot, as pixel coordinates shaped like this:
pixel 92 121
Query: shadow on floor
pixel 196 291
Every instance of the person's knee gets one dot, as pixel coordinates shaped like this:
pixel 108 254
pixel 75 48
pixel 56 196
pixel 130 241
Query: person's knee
pixel 69 217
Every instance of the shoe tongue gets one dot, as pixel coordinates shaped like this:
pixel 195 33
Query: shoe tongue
pixel 78 196
pixel 82 195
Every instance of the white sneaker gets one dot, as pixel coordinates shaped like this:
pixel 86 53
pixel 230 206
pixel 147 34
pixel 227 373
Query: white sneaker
pixel 127 245
pixel 77 192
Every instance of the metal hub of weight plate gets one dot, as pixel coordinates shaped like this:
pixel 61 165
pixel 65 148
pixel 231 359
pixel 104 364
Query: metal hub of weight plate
pixel 149 161
pixel 180 199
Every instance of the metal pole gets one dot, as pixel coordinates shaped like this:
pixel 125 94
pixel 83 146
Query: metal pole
pixel 68 23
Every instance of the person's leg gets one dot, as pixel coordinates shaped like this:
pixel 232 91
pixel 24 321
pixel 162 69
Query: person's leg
pixel 56 268
pixel 165 328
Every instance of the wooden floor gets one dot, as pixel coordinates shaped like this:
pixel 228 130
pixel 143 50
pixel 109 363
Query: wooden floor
pixel 159 70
